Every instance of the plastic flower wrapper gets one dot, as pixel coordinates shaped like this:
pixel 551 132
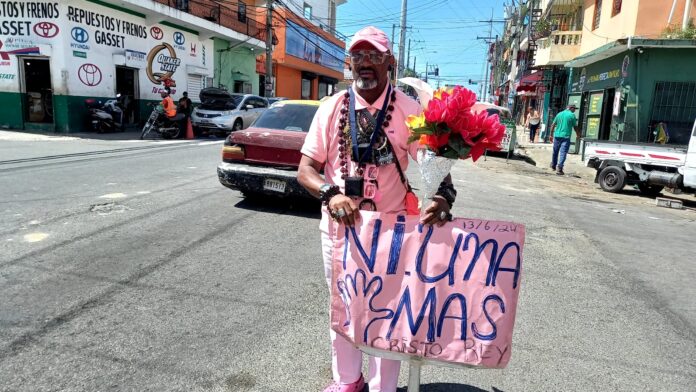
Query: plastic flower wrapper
pixel 448 130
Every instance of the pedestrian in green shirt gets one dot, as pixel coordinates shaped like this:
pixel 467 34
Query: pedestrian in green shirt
pixel 563 124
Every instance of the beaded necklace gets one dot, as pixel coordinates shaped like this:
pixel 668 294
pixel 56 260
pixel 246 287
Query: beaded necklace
pixel 344 137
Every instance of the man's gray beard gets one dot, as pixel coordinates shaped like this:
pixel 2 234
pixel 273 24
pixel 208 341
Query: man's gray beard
pixel 366 84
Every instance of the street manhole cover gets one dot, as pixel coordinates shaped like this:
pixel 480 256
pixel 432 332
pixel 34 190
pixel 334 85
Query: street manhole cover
pixel 108 208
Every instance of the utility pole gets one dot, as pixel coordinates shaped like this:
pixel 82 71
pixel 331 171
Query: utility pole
pixel 408 54
pixel 269 49
pixel 488 39
pixel 426 72
pixel 392 40
pixel 402 40
pixel 414 65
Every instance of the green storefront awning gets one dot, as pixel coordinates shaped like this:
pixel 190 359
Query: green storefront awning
pixel 624 44
pixel 601 53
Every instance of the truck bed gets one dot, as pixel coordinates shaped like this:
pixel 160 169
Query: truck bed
pixel 643 153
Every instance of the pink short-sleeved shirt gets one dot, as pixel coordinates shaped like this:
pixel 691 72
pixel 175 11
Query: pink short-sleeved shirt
pixel 321 144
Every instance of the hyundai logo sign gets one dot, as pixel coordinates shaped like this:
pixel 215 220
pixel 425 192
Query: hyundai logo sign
pixel 79 34
pixel 179 38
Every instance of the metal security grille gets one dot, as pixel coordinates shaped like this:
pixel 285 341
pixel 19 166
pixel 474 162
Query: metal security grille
pixel 674 103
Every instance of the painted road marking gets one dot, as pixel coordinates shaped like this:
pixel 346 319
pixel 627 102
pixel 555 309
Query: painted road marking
pixel 35 237
pixel 113 196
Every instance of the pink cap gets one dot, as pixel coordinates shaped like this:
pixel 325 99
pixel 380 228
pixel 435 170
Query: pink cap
pixel 373 36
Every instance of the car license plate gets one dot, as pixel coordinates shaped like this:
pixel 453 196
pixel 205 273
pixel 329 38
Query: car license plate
pixel 274 185
pixel 204 120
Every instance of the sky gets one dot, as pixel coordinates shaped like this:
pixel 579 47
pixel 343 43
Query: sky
pixel 442 32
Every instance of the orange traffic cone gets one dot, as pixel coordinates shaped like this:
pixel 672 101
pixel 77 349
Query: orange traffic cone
pixel 189 129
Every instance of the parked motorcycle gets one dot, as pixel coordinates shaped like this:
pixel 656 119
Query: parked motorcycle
pixel 107 117
pixel 158 122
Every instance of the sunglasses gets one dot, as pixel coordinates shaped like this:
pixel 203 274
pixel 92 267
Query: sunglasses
pixel 374 56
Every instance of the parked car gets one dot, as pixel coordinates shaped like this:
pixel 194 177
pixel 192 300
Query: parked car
pixel 221 112
pixel 502 112
pixel 263 159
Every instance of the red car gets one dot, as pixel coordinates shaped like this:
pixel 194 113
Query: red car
pixel 263 158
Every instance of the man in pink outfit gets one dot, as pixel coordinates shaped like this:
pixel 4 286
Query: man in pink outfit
pixel 360 139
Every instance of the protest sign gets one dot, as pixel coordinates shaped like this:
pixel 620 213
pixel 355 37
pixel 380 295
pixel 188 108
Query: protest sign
pixel 443 294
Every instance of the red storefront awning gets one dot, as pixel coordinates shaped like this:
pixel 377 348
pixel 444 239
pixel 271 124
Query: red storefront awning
pixel 529 82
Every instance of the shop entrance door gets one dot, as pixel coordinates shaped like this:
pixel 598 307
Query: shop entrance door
pixel 607 105
pixel 38 93
pixel 127 86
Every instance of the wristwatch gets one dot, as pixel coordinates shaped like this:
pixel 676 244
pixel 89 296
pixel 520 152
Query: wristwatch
pixel 447 192
pixel 327 191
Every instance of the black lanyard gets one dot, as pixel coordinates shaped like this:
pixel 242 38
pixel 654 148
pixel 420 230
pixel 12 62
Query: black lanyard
pixel 354 128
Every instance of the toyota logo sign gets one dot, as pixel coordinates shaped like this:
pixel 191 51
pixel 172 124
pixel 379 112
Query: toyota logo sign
pixel 156 32
pixel 46 29
pixel 79 34
pixel 89 74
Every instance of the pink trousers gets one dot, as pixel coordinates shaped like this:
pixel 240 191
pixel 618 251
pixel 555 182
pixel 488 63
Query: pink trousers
pixel 346 360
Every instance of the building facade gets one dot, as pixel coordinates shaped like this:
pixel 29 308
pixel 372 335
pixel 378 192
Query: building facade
pixel 57 54
pixel 619 61
pixel 628 77
pixel 309 54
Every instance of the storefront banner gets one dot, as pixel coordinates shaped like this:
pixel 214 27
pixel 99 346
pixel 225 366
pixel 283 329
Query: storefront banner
pixel 85 39
pixel 303 43
pixel 26 28
pixel 440 293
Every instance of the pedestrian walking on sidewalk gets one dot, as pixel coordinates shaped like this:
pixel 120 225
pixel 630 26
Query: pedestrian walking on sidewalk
pixel 563 124
pixel 533 122
pixel 360 139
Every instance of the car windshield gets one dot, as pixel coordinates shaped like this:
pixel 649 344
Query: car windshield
pixel 289 117
pixel 221 103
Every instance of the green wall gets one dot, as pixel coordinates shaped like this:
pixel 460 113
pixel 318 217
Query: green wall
pixel 231 62
pixel 660 65
pixel 638 86
pixel 70 113
pixel 11 112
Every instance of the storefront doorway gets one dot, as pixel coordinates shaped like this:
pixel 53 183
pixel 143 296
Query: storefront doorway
pixel 38 93
pixel 127 86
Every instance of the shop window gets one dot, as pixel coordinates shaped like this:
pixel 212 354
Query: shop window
pixel 674 104
pixel 307 11
pixel 241 13
pixel 306 89
pixel 597 14
pixel 616 7
pixel 182 5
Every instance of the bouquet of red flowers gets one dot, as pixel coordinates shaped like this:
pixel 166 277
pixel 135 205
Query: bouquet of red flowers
pixel 448 130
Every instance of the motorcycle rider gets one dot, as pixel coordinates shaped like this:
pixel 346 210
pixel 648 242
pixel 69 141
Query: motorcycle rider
pixel 168 105
pixel 170 110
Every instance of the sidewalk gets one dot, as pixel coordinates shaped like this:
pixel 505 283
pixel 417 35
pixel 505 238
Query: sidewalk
pixel 541 154
pixel 24 136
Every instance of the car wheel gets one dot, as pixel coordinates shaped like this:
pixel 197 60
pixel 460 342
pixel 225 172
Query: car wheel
pixel 237 125
pixel 612 179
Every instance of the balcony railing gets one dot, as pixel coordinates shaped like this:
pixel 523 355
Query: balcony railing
pixel 226 15
pixel 558 48
pixel 572 38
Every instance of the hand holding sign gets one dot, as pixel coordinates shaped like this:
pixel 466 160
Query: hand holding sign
pixel 445 294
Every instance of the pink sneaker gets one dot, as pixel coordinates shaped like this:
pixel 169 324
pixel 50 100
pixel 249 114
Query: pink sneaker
pixel 357 386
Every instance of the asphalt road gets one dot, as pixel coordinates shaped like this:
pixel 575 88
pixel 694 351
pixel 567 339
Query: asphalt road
pixel 135 270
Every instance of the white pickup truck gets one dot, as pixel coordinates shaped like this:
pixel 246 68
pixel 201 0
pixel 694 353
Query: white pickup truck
pixel 649 166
